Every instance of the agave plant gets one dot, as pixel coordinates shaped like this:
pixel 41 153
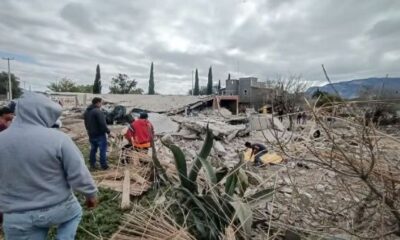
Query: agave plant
pixel 219 206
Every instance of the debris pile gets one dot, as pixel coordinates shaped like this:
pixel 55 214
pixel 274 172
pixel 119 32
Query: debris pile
pixel 334 179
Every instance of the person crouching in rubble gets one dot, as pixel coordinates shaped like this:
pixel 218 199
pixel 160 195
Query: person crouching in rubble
pixel 258 150
pixel 39 178
pixel 142 132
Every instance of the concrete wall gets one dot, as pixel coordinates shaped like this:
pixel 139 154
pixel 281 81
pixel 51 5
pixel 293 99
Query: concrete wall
pixel 261 96
pixel 245 90
pixel 232 87
pixel 67 101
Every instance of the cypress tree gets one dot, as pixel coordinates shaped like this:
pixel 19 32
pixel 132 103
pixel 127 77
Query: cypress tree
pixel 151 81
pixel 210 82
pixel 219 85
pixel 196 90
pixel 97 81
pixel 229 76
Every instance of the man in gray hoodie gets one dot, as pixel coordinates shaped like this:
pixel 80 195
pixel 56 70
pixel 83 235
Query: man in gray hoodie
pixel 40 167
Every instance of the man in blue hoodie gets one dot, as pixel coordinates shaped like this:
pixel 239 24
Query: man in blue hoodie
pixel 38 180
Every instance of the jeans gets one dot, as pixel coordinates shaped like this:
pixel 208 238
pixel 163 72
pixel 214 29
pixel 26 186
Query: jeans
pixel 257 157
pixel 95 143
pixel 35 225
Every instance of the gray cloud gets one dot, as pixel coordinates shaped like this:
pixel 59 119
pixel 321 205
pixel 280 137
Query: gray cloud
pixel 243 37
pixel 78 16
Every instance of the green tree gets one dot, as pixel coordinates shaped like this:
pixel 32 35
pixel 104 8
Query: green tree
pixel 84 88
pixel 196 90
pixel 97 81
pixel 219 85
pixel 151 81
pixel 121 84
pixel 67 85
pixel 210 82
pixel 325 99
pixel 229 76
pixel 16 90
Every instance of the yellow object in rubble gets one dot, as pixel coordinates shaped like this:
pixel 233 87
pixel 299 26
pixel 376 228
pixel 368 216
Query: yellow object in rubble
pixel 266 158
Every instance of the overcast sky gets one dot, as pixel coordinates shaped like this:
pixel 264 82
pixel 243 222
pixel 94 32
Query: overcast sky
pixel 263 38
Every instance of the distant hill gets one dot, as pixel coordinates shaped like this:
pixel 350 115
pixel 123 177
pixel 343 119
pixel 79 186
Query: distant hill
pixel 352 89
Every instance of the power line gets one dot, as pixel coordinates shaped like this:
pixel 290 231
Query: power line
pixel 9 78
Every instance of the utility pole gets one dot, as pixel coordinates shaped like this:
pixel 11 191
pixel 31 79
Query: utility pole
pixel 9 79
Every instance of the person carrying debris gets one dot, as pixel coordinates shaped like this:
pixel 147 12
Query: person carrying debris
pixel 96 127
pixel 38 179
pixel 258 150
pixel 6 117
pixel 142 132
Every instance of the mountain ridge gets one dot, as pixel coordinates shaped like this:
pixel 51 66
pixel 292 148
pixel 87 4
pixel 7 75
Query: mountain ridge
pixel 352 88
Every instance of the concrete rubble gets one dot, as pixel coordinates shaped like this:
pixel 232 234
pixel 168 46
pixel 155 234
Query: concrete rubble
pixel 265 121
pixel 307 194
pixel 162 124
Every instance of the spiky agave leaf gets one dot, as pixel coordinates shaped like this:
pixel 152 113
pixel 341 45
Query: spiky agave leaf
pixel 204 153
pixel 243 181
pixel 232 180
pixel 244 213
pixel 159 168
pixel 209 170
pixel 221 173
pixel 260 195
pixel 180 163
pixel 205 225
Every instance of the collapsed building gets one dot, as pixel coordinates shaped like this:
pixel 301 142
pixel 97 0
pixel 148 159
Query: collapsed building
pixel 168 104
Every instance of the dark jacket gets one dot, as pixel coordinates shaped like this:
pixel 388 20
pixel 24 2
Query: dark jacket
pixel 257 147
pixel 95 122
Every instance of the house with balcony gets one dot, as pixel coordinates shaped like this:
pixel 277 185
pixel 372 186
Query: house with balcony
pixel 251 93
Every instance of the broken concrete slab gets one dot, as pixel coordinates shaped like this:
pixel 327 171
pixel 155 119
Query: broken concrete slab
pixel 151 103
pixel 162 123
pixel 219 148
pixel 265 121
pixel 220 129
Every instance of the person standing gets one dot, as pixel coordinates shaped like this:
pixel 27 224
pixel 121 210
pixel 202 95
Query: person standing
pixel 96 127
pixel 6 117
pixel 38 179
pixel 280 114
pixel 299 118
pixel 304 118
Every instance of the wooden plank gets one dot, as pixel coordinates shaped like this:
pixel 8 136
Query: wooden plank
pixel 125 203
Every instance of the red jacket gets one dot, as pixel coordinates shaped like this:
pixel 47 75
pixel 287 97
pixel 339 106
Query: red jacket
pixel 141 131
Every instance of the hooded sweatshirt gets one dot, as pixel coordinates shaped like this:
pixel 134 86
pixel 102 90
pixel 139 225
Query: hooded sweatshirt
pixel 39 166
pixel 95 122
